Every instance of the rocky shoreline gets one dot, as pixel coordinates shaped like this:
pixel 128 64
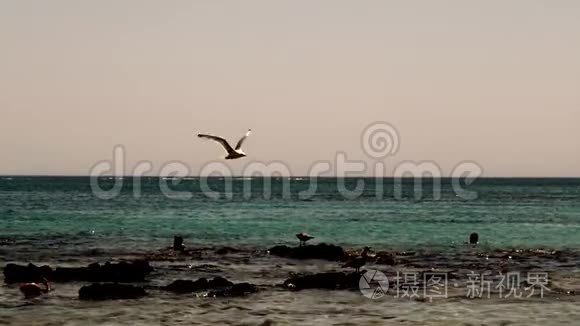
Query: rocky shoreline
pixel 132 279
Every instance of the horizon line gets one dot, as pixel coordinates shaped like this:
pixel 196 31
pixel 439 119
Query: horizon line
pixel 291 176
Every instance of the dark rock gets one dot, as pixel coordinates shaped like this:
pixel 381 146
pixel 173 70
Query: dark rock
pixel 93 252
pixel 217 287
pixel 406 253
pixel 563 291
pixel 236 290
pixel 135 271
pixel 188 286
pixel 111 292
pixel 319 251
pixel 226 251
pixel 268 322
pixel 328 281
pixel 121 272
pixel 206 268
pixel 219 282
pixel 30 273
pixel 168 254
pixel 385 258
pixel 7 242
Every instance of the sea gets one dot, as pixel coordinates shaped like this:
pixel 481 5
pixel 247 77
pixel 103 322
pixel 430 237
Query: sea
pixel 524 225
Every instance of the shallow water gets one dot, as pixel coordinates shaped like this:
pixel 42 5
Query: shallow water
pixel 314 307
pixel 306 308
pixel 58 221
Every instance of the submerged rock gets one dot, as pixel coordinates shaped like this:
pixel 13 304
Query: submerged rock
pixel 319 251
pixel 188 286
pixel 236 290
pixel 206 268
pixel 168 254
pixel 7 242
pixel 328 281
pixel 111 292
pixel 135 271
pixel 217 287
pixel 227 251
pixel 386 258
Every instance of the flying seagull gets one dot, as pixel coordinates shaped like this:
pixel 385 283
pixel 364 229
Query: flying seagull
pixel 232 153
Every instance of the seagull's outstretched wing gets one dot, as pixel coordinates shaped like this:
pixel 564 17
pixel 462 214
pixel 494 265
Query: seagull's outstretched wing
pixel 220 140
pixel 241 141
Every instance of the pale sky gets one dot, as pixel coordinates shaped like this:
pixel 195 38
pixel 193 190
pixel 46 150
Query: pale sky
pixel 495 82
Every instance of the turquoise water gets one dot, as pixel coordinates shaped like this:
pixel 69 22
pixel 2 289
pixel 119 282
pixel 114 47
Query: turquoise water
pixel 61 222
pixel 506 213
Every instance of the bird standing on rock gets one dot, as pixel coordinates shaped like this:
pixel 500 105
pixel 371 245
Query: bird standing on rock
pixel 304 237
pixel 358 262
